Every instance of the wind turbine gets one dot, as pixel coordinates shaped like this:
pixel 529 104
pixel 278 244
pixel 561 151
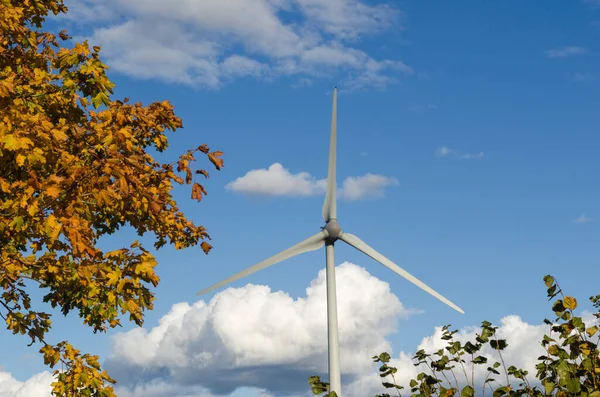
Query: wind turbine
pixel 328 236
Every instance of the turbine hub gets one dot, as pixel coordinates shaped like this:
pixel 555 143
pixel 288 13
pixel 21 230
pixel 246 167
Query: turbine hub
pixel 333 230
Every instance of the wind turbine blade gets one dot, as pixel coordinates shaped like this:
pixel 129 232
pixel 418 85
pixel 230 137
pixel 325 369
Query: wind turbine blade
pixel 366 249
pixel 329 207
pixel 310 244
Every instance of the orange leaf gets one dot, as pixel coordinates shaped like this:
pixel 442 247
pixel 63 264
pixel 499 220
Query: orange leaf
pixel 155 207
pixel 52 191
pixel 198 191
pixel 214 158
pixel 206 247
pixel 203 172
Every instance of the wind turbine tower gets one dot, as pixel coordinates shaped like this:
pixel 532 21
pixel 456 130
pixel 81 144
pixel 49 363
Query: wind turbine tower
pixel 327 237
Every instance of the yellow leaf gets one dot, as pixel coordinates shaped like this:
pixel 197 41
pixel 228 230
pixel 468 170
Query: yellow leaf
pixel 20 160
pixel 32 209
pixel 121 284
pixel 570 303
pixel 52 227
pixel 60 135
pixel 12 142
pixel 132 306
pixel 145 267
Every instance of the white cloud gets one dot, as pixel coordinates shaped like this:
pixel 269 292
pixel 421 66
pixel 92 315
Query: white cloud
pixel 252 336
pixel 564 52
pixel 471 156
pixel 446 151
pixel 279 181
pixel 36 386
pixel 368 185
pixel 523 349
pixel 256 341
pixel 582 219
pixel 348 18
pixel 207 43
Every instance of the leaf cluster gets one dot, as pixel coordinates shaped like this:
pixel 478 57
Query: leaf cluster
pixel 76 165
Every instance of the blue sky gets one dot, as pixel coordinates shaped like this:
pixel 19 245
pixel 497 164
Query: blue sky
pixel 477 121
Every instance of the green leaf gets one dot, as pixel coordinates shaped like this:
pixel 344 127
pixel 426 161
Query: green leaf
pixel 578 323
pixel 17 222
pixel 548 280
pixel 591 331
pixel 558 307
pixel 553 350
pixel 574 386
pixel 499 344
pixel 97 101
pixel 480 360
pixel 390 385
pixel 501 391
pixel 565 316
pixel 467 391
pixel 471 348
pixel 384 357
pixel 548 386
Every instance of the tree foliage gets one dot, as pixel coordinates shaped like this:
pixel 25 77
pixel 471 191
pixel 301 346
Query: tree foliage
pixel 75 165
pixel 570 367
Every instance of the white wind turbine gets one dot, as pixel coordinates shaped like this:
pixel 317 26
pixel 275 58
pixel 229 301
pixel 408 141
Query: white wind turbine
pixel 328 236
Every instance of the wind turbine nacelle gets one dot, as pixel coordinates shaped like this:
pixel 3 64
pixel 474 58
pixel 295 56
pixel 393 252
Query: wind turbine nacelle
pixel 333 231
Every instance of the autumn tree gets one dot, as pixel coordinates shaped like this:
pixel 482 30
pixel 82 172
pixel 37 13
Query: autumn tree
pixel 570 366
pixel 76 165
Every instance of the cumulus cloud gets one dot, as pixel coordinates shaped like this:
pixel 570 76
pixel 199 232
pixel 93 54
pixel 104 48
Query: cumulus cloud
pixel 255 337
pixel 523 349
pixel 447 152
pixel 522 352
pixel 241 340
pixel 208 43
pixel 565 52
pixel 36 386
pixel 279 181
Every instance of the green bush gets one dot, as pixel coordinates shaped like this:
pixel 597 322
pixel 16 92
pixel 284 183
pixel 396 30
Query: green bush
pixel 570 367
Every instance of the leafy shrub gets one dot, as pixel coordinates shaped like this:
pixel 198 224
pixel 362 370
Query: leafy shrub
pixel 570 367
